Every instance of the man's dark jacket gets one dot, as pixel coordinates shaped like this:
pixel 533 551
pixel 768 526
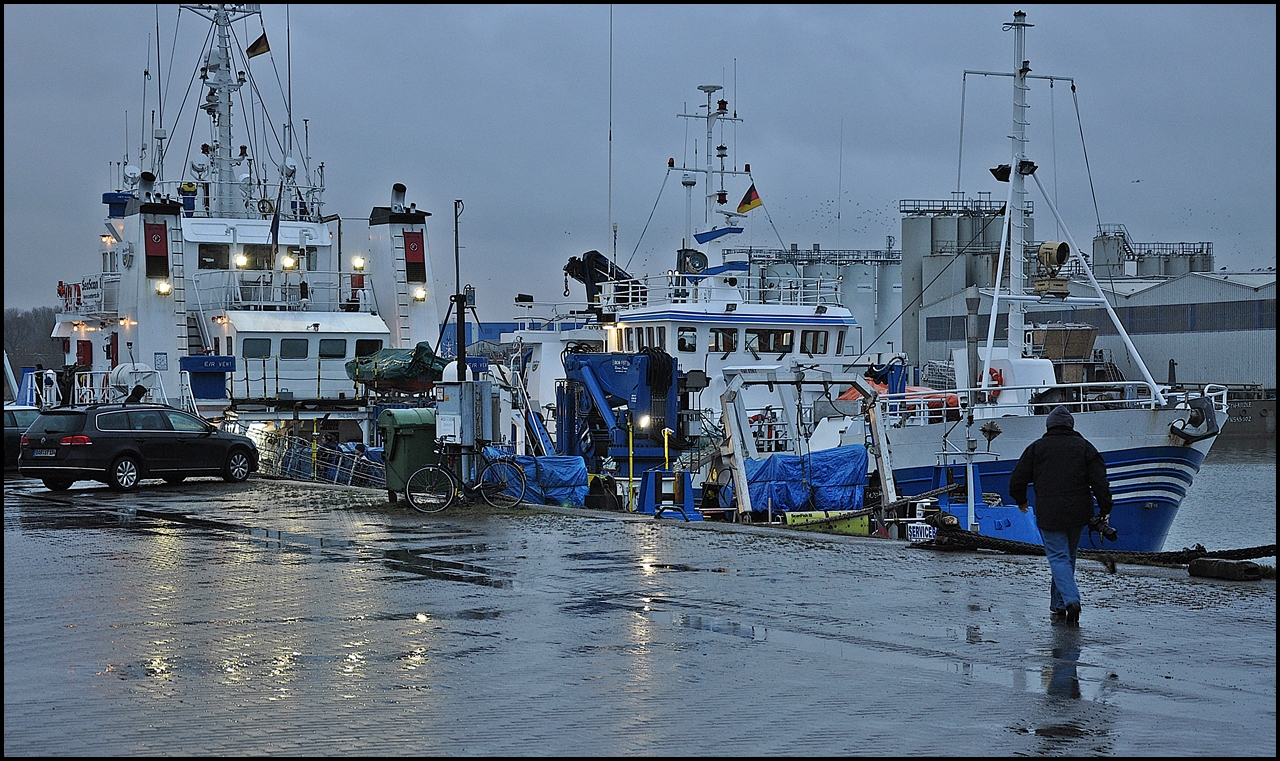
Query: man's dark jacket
pixel 1065 469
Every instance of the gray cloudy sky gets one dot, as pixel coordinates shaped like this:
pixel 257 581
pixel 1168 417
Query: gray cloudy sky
pixel 507 108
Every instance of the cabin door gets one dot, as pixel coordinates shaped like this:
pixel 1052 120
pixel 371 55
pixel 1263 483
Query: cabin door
pixel 84 353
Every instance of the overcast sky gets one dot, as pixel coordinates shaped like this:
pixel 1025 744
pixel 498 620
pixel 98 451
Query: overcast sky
pixel 846 110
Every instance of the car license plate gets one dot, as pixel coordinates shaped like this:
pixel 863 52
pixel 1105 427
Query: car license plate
pixel 44 453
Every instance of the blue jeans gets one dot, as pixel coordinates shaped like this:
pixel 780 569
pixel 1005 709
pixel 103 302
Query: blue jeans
pixel 1060 548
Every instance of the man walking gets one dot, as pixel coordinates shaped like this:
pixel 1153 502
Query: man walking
pixel 1069 475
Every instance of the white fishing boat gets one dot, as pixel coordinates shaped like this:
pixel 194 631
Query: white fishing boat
pixel 716 306
pixel 1153 441
pixel 227 286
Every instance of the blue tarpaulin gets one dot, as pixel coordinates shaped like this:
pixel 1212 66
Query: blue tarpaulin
pixel 831 479
pixel 552 480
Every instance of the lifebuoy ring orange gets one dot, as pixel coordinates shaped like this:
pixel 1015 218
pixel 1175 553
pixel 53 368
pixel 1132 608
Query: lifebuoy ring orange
pixel 997 379
pixel 265 206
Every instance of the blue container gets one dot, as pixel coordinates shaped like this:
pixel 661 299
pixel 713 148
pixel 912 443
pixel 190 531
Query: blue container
pixel 208 363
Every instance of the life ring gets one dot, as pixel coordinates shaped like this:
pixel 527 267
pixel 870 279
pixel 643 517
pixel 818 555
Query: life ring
pixel 265 206
pixel 997 379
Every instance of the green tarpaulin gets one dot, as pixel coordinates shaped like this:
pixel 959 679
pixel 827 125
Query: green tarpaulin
pixel 414 367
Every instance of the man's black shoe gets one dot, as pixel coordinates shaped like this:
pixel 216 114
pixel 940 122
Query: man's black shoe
pixel 1073 613
pixel 1056 615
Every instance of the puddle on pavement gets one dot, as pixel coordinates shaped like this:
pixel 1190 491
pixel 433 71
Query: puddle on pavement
pixel 417 562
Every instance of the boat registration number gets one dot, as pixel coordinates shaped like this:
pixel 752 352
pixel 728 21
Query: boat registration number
pixel 44 453
pixel 920 532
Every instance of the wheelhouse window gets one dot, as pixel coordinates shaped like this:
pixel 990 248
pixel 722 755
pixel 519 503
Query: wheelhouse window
pixel 686 338
pixel 214 256
pixel 333 348
pixel 770 341
pixel 723 340
pixel 367 346
pixel 256 348
pixel 261 256
pixel 293 348
pixel 813 342
pixel 631 340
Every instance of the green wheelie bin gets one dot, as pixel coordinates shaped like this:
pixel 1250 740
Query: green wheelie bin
pixel 408 443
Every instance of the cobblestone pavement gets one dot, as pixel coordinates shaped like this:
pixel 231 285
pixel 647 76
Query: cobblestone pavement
pixel 276 617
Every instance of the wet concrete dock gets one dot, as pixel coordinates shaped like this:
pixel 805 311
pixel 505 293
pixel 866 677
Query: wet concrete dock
pixel 273 617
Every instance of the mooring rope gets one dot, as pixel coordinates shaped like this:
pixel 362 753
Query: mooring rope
pixel 949 538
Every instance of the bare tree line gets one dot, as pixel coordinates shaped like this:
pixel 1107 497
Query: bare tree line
pixel 27 342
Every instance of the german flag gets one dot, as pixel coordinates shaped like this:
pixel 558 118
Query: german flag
pixel 258 47
pixel 750 200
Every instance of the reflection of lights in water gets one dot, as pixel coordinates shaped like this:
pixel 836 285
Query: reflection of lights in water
pixel 421 616
pixel 646 564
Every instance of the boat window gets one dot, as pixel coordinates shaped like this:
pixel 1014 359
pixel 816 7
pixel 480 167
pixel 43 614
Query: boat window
pixel 686 339
pixel 217 348
pixel 631 340
pixel 813 342
pixel 310 263
pixel 113 421
pixel 214 256
pixel 293 348
pixel 840 342
pixel 648 332
pixel 770 341
pixel 256 348
pixel 724 340
pixel 231 346
pixel 662 337
pixel 261 256
pixel 181 421
pixel 618 341
pixel 367 346
pixel 333 348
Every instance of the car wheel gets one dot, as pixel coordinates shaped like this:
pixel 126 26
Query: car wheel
pixel 237 467
pixel 57 484
pixel 124 474
pixel 175 479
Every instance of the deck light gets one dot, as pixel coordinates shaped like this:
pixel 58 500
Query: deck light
pixel 357 263
pixel 164 288
pixel 420 294
pixel 288 262
pixel 242 260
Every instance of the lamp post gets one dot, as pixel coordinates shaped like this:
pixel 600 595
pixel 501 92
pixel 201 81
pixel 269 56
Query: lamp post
pixel 631 456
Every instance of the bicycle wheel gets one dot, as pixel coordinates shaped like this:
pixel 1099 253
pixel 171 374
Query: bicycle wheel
pixel 430 489
pixel 502 483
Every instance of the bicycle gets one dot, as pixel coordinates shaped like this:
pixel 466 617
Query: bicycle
pixel 433 488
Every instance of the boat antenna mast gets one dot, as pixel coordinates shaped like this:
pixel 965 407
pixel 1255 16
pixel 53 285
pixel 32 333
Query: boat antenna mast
pixel 217 76
pixel 1018 178
pixel 717 110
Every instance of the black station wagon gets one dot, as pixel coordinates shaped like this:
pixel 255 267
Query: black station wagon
pixel 121 444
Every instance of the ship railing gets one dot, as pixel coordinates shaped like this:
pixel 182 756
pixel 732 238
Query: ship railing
pixel 931 406
pixel 95 296
pixel 283 379
pixel 838 257
pixel 199 199
pixel 283 290
pixel 306 459
pixel 680 288
pixel 114 386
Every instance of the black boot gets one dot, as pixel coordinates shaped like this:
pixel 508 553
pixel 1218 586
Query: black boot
pixel 1073 613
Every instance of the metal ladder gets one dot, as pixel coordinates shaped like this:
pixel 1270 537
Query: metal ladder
pixel 402 292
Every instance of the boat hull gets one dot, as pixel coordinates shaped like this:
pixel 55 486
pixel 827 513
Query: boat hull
pixel 1149 468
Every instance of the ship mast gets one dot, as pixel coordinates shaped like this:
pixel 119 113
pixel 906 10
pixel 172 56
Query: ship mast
pixel 1017 177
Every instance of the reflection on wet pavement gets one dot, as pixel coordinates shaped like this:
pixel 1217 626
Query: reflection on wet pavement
pixel 278 618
